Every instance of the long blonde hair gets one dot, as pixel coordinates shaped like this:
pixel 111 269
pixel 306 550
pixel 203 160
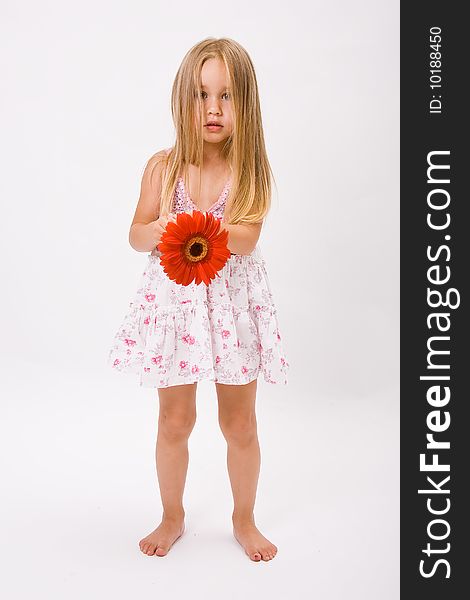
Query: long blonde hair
pixel 249 198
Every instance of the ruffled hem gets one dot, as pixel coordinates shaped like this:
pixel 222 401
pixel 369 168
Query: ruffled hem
pixel 158 344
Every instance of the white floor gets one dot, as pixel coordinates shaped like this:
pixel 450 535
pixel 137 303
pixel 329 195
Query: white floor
pixel 79 490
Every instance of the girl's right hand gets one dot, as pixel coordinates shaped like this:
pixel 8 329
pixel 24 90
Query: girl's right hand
pixel 161 223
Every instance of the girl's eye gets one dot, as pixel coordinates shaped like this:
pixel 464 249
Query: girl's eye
pixel 224 94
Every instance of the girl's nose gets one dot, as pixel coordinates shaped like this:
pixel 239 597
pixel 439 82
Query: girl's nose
pixel 214 109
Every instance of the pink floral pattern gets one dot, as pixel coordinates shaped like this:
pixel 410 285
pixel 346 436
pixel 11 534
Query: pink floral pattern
pixel 227 332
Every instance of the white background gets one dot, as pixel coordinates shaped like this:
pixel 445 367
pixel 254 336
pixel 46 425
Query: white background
pixel 85 102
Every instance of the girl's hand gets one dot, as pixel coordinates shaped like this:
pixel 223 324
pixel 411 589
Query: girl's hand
pixel 160 225
pixel 163 221
pixel 171 217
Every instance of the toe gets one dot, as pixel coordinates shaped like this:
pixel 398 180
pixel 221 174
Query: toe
pixel 151 549
pixel 256 556
pixel 266 554
pixel 161 551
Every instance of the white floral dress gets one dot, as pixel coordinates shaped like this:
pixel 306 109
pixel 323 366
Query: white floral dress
pixel 227 331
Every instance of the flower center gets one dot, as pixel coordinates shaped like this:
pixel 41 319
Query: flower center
pixel 196 249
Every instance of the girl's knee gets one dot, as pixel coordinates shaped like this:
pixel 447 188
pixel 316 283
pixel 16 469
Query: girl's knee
pixel 176 425
pixel 239 429
pixel 177 414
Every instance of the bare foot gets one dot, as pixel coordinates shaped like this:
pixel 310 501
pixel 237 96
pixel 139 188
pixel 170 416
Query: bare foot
pixel 254 543
pixel 159 542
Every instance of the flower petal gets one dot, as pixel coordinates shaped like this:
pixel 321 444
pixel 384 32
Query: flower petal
pixel 174 241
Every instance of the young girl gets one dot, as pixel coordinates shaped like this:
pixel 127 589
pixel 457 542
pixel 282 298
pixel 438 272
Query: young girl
pixel 174 335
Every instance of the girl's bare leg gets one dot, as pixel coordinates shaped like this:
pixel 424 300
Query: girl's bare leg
pixel 237 419
pixel 176 419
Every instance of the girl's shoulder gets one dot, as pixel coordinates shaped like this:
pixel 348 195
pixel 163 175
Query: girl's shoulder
pixel 148 206
pixel 156 165
pixel 160 156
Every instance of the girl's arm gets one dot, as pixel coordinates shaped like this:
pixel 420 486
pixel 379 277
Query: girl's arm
pixel 144 233
pixel 144 237
pixel 243 237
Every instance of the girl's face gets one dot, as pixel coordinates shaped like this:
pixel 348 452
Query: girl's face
pixel 216 101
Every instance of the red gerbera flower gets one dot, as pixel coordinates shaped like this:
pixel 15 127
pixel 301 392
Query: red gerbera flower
pixel 193 248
